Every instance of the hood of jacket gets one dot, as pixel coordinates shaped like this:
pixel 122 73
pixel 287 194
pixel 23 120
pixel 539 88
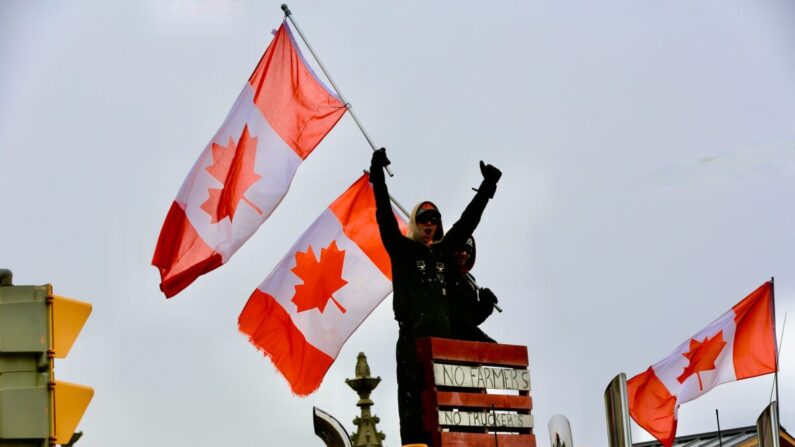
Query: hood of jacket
pixel 414 233
pixel 471 261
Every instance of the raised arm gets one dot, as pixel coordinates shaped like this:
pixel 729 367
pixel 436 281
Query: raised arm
pixel 387 223
pixel 470 218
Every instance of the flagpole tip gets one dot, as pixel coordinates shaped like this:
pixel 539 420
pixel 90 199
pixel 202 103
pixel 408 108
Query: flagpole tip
pixel 286 10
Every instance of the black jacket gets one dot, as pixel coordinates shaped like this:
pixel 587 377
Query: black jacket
pixel 469 308
pixel 419 272
pixel 470 305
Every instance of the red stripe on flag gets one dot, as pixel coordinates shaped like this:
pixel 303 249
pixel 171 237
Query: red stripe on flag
pixel 755 338
pixel 181 255
pixel 652 406
pixel 298 108
pixel 270 328
pixel 355 209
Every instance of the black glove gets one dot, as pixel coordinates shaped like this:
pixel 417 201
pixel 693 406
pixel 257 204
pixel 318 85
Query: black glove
pixel 379 160
pixel 490 177
pixel 487 296
pixel 490 173
pixel 377 164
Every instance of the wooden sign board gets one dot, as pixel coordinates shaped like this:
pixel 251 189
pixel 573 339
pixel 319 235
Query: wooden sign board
pixel 486 377
pixel 486 419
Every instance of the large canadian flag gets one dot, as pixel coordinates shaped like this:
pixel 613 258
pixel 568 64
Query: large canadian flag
pixel 738 345
pixel 281 115
pixel 321 291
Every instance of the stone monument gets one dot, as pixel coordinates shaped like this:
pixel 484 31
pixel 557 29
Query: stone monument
pixel 366 435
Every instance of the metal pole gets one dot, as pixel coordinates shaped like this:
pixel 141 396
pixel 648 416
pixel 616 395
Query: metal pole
pixel 471 279
pixel 617 409
pixel 778 355
pixel 349 106
pixel 397 204
pixel 400 207
pixel 773 299
pixel 720 438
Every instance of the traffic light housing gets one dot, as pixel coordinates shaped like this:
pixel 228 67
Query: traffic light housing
pixel 35 328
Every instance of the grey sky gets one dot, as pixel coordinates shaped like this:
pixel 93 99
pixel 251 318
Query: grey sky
pixel 648 151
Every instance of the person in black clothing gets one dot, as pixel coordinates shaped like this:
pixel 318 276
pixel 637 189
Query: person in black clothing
pixel 420 264
pixel 470 304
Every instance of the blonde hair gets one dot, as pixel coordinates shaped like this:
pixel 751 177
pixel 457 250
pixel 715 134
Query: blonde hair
pixel 414 233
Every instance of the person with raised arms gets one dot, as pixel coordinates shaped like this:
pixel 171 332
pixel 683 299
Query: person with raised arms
pixel 421 262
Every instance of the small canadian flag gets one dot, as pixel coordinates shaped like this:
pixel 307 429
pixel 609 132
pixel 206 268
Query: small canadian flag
pixel 321 291
pixel 739 345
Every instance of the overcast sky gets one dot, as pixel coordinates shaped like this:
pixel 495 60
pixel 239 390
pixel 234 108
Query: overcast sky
pixel 648 152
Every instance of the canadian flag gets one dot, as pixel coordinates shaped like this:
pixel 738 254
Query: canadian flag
pixel 281 115
pixel 321 291
pixel 738 345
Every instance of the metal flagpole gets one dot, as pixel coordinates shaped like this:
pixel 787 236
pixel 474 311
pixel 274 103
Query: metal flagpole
pixel 772 409
pixel 471 279
pixel 778 354
pixel 289 15
pixel 349 106
pixel 770 415
pixel 619 432
pixel 720 438
pixel 397 204
pixel 773 298
pixel 403 210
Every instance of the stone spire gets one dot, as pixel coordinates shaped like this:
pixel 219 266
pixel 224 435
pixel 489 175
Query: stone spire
pixel 366 435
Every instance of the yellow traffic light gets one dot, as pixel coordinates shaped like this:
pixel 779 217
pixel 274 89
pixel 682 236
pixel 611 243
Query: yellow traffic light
pixel 36 327
pixel 71 401
pixel 68 318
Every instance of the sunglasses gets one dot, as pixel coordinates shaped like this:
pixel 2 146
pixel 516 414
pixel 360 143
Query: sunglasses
pixel 465 249
pixel 428 218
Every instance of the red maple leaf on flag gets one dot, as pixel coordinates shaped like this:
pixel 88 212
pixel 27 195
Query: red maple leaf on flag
pixel 702 357
pixel 321 278
pixel 233 166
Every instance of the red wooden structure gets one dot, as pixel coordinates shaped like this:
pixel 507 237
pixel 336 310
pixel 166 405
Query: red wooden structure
pixel 457 409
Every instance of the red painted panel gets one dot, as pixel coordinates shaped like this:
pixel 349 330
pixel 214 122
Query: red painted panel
pixel 485 401
pixel 474 352
pixel 453 439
